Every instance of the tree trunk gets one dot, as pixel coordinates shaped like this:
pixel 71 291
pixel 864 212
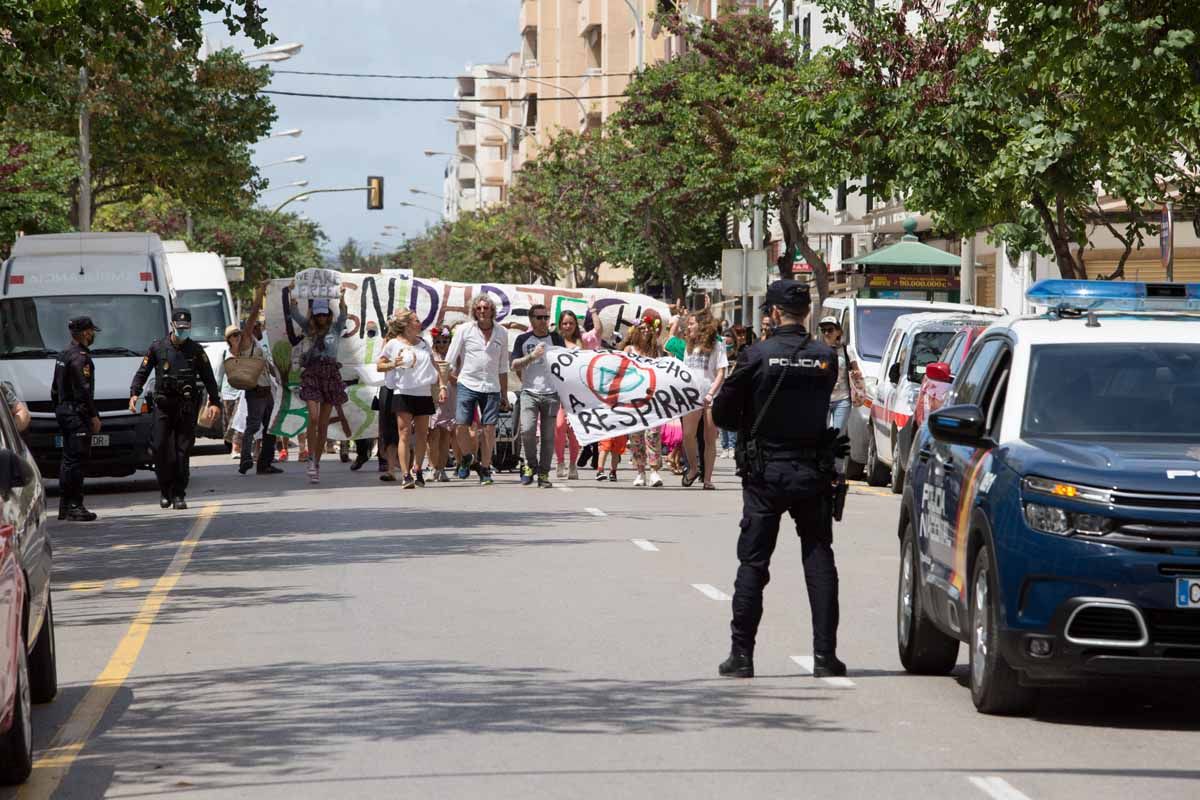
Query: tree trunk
pixel 1060 240
pixel 795 239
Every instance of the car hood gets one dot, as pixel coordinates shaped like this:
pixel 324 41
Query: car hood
pixel 1137 466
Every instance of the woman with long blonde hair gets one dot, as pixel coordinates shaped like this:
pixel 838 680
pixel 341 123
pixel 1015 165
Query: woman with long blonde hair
pixel 411 374
pixel 646 445
pixel 707 360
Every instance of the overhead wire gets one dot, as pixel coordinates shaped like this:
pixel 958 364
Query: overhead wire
pixel 438 77
pixel 540 98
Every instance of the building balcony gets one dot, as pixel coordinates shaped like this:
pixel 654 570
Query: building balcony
pixel 494 173
pixel 466 138
pixel 493 94
pixel 492 135
pixel 466 172
pixel 527 19
pixel 591 16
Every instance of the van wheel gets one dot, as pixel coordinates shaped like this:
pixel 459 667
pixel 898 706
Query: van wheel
pixel 43 661
pixel 898 471
pixel 877 473
pixel 924 649
pixel 16 744
pixel 995 688
pixel 854 470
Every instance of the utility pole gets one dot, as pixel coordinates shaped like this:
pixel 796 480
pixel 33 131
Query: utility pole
pixel 85 155
pixel 966 272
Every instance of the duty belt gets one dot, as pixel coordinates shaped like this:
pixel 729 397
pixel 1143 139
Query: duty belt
pixel 795 454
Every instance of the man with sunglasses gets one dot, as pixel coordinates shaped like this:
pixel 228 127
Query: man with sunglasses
pixel 479 357
pixel 539 399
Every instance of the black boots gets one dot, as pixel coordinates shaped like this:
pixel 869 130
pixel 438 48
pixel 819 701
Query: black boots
pixel 164 502
pixel 827 665
pixel 739 665
pixel 78 514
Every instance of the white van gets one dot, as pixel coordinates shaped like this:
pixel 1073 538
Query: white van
pixel 121 281
pixel 866 326
pixel 201 287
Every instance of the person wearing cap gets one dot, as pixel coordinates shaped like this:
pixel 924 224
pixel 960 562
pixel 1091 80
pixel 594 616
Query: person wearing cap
pixel 180 368
pixel 849 382
pixel 321 385
pixel 778 401
pixel 73 397
pixel 260 400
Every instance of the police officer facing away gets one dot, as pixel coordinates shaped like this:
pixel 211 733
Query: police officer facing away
pixel 778 401
pixel 180 367
pixel 73 396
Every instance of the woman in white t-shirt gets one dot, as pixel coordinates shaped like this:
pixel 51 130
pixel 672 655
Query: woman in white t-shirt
pixel 411 374
pixel 706 359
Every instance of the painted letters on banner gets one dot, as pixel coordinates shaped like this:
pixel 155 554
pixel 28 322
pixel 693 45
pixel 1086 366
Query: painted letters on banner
pixel 606 393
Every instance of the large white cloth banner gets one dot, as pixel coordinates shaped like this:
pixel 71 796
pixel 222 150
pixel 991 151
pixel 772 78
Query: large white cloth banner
pixel 374 298
pixel 606 393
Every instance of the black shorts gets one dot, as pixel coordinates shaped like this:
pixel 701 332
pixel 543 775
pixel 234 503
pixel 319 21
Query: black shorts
pixel 414 404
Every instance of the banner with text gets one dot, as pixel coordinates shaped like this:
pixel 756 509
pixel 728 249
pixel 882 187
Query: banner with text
pixel 606 393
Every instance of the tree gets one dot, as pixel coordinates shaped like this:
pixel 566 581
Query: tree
pixel 498 245
pixel 36 172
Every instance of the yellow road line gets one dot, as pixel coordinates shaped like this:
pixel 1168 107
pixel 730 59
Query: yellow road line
pixel 52 766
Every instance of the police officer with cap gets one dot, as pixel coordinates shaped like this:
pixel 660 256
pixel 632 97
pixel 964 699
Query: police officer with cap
pixel 73 396
pixel 778 401
pixel 180 368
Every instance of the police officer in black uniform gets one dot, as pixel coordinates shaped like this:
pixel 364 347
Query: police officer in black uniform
pixel 73 396
pixel 778 401
pixel 180 369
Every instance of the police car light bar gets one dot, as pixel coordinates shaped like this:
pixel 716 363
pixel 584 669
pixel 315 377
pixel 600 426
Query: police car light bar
pixel 1114 295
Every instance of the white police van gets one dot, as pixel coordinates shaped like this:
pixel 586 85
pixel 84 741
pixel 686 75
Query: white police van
pixel 1051 519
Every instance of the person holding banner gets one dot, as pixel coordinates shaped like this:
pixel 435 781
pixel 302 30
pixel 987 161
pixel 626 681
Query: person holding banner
pixel 576 338
pixel 706 358
pixel 321 385
pixel 478 355
pixel 411 374
pixel 646 445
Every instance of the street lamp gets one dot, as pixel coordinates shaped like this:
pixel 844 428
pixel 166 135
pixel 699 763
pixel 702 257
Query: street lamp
pixel 275 53
pixel 460 156
pixel 641 34
pixel 299 184
pixel 423 208
pixel 292 132
pixel 429 194
pixel 478 118
pixel 288 160
pixel 495 73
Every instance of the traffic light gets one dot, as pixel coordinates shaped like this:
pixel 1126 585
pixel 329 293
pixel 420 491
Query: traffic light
pixel 374 193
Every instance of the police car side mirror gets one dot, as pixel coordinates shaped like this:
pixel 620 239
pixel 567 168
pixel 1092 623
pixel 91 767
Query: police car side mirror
pixel 964 425
pixel 938 371
pixel 14 472
pixel 894 373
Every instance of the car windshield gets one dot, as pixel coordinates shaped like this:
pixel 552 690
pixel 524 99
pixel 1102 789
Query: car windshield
pixel 36 327
pixel 210 313
pixel 1114 391
pixel 927 348
pixel 873 326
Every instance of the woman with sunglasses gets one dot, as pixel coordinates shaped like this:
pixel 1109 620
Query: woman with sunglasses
pixel 442 430
pixel 411 373
pixel 575 337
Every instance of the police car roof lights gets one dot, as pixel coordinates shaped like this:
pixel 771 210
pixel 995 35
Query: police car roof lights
pixel 1078 296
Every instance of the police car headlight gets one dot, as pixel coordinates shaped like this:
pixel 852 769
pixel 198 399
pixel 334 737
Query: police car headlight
pixel 1069 491
pixel 1047 519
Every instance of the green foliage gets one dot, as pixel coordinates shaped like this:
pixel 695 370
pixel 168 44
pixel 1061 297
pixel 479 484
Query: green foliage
pixel 496 245
pixel 36 172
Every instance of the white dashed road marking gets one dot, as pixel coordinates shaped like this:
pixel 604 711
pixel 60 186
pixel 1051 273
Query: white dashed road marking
pixel 645 545
pixel 806 664
pixel 709 590
pixel 595 512
pixel 997 788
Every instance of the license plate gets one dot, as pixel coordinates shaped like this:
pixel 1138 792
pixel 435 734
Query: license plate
pixel 98 440
pixel 1187 593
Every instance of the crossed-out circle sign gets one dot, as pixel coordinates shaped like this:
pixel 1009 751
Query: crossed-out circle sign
pixel 617 380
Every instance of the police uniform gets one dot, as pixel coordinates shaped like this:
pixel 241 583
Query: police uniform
pixel 73 397
pixel 180 367
pixel 793 472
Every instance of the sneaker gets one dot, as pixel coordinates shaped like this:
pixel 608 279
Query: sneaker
pixel 163 502
pixel 600 476
pixel 544 481
pixel 180 504
pixel 244 468
pixel 344 452
pixel 310 469
pixel 409 483
pixel 314 474
pixel 236 455
pixel 562 471
pixel 655 480
pixel 738 665
pixel 485 476
pixel 79 514
pixel 612 476
pixel 464 469
pixel 573 473
pixel 441 477
pixel 419 478
pixel 282 455
pixel 526 475
pixel 640 480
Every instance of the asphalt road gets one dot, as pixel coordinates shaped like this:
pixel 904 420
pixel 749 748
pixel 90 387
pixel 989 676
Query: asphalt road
pixel 356 640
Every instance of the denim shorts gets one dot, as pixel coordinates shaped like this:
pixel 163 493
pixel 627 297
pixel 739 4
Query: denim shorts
pixel 488 404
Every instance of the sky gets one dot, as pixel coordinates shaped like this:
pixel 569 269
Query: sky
pixel 345 140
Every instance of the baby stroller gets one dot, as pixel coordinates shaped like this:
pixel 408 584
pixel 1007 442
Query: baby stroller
pixel 507 456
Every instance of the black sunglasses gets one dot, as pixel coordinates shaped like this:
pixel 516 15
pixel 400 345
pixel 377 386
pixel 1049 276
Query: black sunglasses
pixel 541 316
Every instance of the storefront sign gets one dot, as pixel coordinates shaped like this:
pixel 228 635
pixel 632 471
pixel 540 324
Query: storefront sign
pixel 913 282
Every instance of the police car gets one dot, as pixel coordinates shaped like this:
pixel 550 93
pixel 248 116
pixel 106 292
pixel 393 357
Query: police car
pixel 1052 515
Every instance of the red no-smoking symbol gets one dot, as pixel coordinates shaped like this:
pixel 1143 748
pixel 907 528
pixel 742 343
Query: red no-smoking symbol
pixel 617 380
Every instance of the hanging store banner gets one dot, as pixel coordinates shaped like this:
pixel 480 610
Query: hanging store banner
pixel 944 282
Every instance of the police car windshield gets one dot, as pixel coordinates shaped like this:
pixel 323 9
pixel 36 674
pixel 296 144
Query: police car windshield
pixel 927 348
pixel 32 325
pixel 210 314
pixel 1103 391
pixel 873 326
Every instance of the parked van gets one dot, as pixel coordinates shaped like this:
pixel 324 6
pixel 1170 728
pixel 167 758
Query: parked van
pixel 866 326
pixel 121 281
pixel 201 287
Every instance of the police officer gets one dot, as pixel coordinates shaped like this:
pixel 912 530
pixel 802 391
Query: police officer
pixel 73 396
pixel 180 367
pixel 778 401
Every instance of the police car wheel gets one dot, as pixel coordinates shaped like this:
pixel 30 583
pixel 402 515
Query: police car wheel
pixel 995 688
pixel 877 473
pixel 898 473
pixel 924 649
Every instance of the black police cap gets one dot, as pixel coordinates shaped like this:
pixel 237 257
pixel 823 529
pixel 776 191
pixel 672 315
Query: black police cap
pixel 787 294
pixel 181 318
pixel 81 324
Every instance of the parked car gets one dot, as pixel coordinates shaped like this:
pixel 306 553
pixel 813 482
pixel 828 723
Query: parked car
pixel 866 325
pixel 28 667
pixel 916 341
pixel 939 376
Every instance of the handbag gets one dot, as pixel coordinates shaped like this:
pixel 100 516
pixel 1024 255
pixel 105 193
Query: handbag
pixel 244 372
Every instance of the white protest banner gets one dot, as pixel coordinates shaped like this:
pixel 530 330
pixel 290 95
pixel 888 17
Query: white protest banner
pixel 318 283
pixel 374 298
pixel 606 393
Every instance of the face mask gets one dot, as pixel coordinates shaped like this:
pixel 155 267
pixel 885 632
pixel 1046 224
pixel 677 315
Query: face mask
pixel 184 334
pixel 372 334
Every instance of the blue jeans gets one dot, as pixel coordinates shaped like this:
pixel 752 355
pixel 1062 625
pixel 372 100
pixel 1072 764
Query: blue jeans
pixel 728 439
pixel 839 412
pixel 468 400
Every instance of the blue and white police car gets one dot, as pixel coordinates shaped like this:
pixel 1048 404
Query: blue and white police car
pixel 1052 516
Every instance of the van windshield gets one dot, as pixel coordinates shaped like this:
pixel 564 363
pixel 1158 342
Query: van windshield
pixel 873 325
pixel 927 348
pixel 36 327
pixel 210 313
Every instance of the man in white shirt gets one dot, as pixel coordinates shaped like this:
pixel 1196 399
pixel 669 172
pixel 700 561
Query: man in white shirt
pixel 478 356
